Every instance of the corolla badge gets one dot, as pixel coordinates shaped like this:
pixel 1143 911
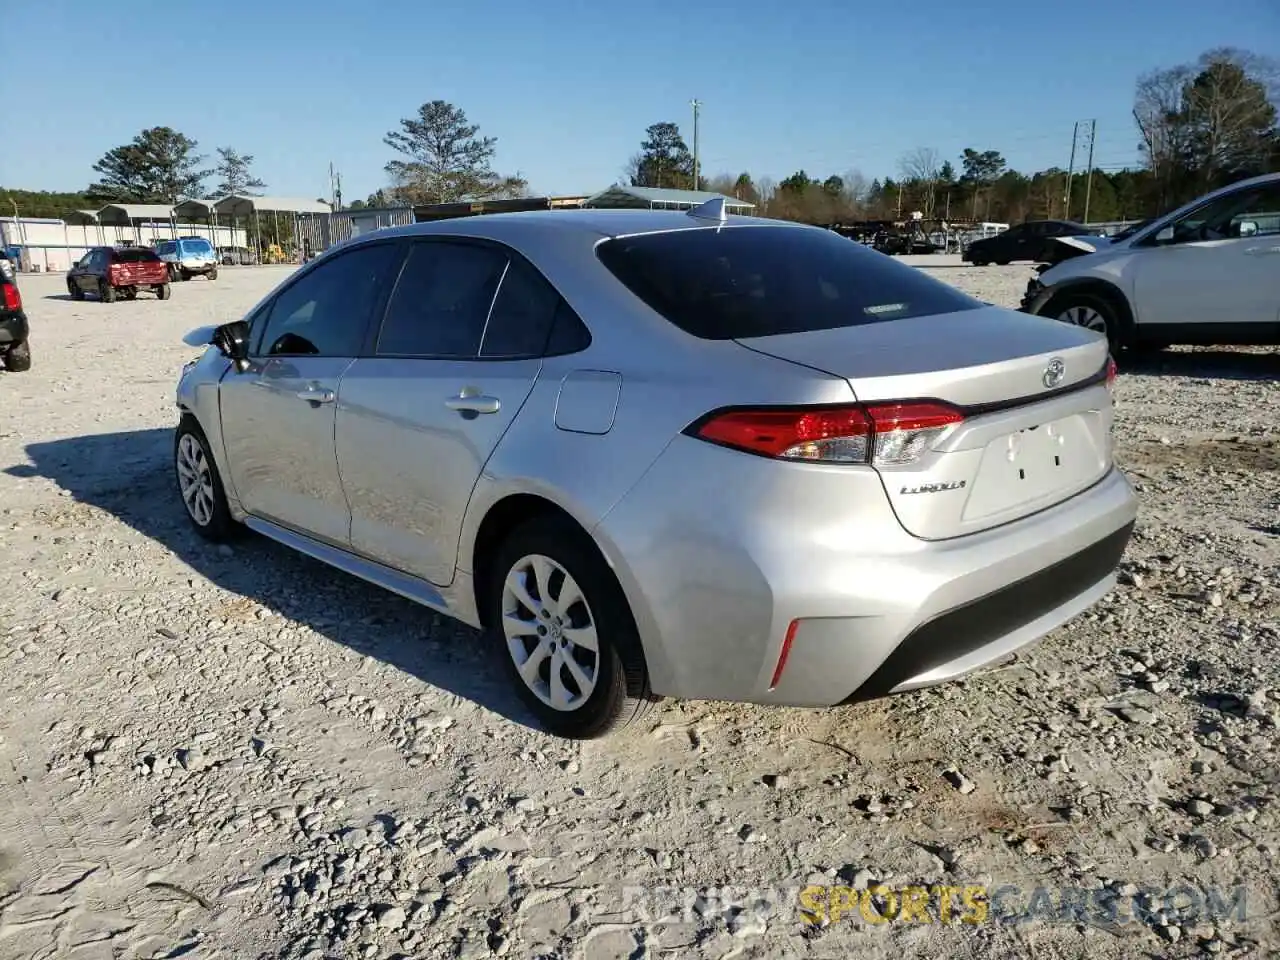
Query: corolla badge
pixel 1054 372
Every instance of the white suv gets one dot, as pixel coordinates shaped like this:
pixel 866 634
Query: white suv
pixel 1208 273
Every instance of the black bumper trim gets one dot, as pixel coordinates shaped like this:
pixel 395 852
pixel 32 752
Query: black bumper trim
pixel 960 631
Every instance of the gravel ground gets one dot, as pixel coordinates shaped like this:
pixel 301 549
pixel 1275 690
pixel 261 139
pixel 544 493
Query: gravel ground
pixel 240 753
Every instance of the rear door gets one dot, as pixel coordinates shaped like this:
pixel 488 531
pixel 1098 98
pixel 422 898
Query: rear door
pixel 278 416
pixel 455 359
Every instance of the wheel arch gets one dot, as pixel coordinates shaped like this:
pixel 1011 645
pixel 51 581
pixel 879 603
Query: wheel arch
pixel 1102 289
pixel 517 509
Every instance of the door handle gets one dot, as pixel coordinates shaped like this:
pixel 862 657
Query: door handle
pixel 316 395
pixel 472 401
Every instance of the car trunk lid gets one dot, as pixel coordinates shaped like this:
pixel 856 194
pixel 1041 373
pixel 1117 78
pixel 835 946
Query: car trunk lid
pixel 138 273
pixel 1037 411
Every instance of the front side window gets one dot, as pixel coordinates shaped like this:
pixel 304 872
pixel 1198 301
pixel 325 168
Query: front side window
pixel 1245 213
pixel 740 282
pixel 326 312
pixel 441 301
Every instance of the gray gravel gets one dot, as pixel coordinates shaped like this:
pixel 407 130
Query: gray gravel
pixel 238 753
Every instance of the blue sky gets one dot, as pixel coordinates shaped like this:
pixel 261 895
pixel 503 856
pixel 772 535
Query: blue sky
pixel 569 87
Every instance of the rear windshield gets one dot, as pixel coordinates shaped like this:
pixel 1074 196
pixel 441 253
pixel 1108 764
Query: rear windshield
pixel 740 282
pixel 197 246
pixel 133 256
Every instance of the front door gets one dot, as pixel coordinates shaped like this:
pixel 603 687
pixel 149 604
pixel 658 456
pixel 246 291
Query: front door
pixel 1219 264
pixel 278 416
pixel 455 359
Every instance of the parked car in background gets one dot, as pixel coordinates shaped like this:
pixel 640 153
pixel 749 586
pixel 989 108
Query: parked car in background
pixel 236 256
pixel 1023 241
pixel 661 453
pixel 15 344
pixel 189 256
pixel 108 272
pixel 1206 273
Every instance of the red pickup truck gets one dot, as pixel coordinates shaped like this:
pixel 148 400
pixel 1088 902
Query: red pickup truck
pixel 109 272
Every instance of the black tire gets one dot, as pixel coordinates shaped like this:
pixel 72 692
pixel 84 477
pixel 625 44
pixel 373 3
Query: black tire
pixel 106 292
pixel 1003 263
pixel 1070 303
pixel 75 291
pixel 17 357
pixel 220 526
pixel 621 693
pixel 212 274
pixel 173 273
pixel 979 263
pixel 183 275
pixel 163 291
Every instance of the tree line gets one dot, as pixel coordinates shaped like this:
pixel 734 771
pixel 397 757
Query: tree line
pixel 1200 125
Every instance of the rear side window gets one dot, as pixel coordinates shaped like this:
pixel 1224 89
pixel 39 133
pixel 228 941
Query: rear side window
pixel 441 301
pixel 522 316
pixel 133 256
pixel 740 282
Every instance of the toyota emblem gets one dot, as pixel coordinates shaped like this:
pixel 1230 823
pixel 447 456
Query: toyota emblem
pixel 1054 373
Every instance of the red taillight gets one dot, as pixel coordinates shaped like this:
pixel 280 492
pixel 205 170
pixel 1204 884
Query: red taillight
pixel 1111 372
pixel 784 653
pixel 855 433
pixel 12 298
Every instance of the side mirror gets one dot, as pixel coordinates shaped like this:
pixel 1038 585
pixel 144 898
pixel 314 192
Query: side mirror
pixel 232 341
pixel 1248 228
pixel 1165 235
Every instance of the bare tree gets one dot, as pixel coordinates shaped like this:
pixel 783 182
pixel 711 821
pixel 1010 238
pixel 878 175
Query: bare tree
pixel 856 188
pixel 1156 109
pixel 920 167
pixel 766 188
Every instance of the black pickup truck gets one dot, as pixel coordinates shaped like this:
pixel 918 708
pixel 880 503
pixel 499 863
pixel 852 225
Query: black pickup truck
pixel 15 348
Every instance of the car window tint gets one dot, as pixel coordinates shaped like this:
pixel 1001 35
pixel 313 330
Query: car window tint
pixel 522 315
pixel 134 256
pixel 441 301
pixel 325 312
pixel 568 333
pixel 729 283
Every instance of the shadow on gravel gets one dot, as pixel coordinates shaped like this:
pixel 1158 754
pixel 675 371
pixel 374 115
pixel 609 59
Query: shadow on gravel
pixel 58 296
pixel 129 475
pixel 1215 364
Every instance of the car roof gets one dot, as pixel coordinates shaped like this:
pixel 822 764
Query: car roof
pixel 591 222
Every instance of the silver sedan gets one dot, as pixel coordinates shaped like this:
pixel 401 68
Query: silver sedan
pixel 668 454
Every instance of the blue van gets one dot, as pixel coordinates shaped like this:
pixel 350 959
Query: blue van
pixel 189 256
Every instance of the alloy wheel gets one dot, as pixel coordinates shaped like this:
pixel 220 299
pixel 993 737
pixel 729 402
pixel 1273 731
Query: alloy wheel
pixel 195 480
pixel 1084 316
pixel 550 632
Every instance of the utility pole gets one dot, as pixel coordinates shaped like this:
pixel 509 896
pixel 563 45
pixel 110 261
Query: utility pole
pixel 1071 169
pixel 337 175
pixel 332 198
pixel 697 105
pixel 1088 183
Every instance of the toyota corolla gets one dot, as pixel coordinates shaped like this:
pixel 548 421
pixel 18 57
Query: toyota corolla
pixel 668 454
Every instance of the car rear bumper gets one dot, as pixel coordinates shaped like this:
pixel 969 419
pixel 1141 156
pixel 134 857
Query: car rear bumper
pixel 13 327
pixel 719 559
